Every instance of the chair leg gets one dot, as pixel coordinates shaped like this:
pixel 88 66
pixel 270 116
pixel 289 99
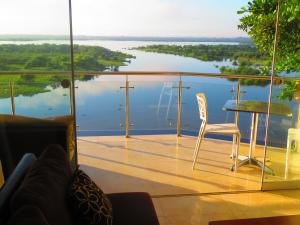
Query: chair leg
pixel 198 141
pixel 234 142
pixel 198 148
pixel 237 152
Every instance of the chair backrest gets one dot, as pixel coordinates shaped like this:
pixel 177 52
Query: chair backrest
pixel 202 106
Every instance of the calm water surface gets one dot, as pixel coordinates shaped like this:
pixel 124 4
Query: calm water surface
pixel 100 102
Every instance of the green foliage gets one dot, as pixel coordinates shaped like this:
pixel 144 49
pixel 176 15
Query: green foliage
pixel 51 57
pixel 247 53
pixel 246 59
pixel 259 19
pixel 245 70
pixel 288 92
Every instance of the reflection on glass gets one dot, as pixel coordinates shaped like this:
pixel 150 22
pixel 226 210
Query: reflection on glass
pixel 35 108
pixel 100 105
pixel 153 104
pixel 285 160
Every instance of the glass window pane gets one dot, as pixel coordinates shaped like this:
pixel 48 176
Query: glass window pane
pixel 35 82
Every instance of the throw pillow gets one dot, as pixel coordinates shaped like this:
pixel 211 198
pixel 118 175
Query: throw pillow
pixel 88 202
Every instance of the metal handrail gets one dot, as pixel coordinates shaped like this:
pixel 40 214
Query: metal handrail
pixel 151 73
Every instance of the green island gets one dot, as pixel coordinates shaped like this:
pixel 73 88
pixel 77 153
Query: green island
pixel 246 58
pixel 52 58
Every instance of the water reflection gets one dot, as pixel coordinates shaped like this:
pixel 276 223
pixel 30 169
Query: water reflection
pixel 153 105
pixel 52 103
pixel 153 101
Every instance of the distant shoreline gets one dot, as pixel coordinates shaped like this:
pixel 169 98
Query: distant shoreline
pixel 124 38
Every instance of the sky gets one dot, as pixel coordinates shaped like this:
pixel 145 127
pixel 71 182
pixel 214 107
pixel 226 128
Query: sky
pixel 196 18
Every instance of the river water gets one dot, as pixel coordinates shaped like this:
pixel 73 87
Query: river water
pixel 100 102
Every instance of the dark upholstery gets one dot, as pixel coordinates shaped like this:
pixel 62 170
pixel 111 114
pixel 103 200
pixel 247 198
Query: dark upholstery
pixel 40 197
pixel 12 184
pixel 28 215
pixel 20 135
pixel 45 186
pixel 135 208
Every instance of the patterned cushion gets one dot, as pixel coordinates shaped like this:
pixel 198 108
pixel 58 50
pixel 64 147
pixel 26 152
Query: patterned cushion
pixel 88 202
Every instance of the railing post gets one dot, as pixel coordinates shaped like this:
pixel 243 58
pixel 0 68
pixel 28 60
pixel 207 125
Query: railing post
pixel 238 97
pixel 12 97
pixel 179 108
pixel 127 108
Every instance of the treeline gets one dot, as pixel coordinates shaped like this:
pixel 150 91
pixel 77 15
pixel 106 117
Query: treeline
pixel 123 38
pixel 246 58
pixel 209 52
pixel 52 57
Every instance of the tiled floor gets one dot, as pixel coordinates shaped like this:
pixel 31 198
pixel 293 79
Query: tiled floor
pixel 162 165
pixel 199 210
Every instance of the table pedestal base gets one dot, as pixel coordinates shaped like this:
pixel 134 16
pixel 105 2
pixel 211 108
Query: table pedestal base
pixel 246 160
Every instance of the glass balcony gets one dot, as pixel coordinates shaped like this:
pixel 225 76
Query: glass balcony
pixel 38 96
pixel 137 131
pixel 158 113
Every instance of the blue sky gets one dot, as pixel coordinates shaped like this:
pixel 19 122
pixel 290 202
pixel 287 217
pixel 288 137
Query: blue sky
pixel 209 18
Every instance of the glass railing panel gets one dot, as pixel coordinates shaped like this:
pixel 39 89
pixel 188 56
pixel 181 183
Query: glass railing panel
pixel 153 104
pixel 256 91
pixel 37 45
pixel 42 100
pixel 280 124
pixel 282 156
pixel 282 148
pixel 38 96
pixel 100 105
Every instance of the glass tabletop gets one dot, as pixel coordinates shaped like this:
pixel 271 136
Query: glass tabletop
pixel 257 107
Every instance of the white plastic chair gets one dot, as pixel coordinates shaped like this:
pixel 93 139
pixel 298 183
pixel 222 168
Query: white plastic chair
pixel 224 128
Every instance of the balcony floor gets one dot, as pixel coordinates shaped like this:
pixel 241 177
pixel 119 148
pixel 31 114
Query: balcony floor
pixel 162 165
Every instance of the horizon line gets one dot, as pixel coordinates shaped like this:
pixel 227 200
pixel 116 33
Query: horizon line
pixel 126 36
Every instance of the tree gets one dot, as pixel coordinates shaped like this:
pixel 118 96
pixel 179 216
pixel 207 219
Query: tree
pixel 259 19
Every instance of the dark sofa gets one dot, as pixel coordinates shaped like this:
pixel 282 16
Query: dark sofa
pixel 35 193
pixel 20 135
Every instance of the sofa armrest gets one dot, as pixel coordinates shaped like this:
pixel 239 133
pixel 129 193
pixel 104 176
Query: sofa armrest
pixel 13 182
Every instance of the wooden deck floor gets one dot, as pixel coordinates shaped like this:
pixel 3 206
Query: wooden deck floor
pixel 162 165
